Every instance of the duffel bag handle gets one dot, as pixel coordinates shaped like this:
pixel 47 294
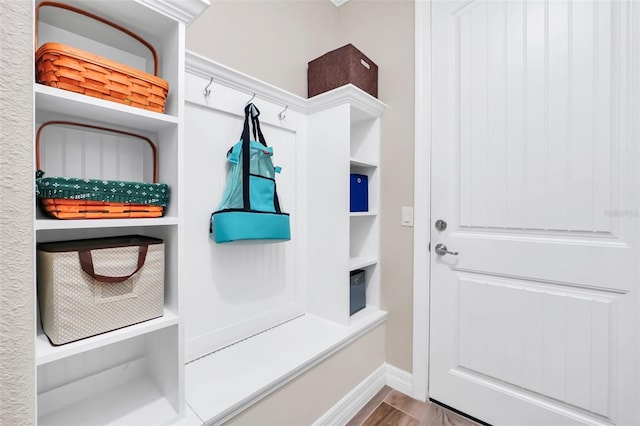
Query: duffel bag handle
pixel 100 19
pixel 91 126
pixel 86 262
pixel 250 110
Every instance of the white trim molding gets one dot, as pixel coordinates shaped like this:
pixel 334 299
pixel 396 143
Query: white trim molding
pixel 422 200
pixel 347 94
pixel 354 401
pixel 182 10
pixel 351 403
pixel 206 68
pixel 398 379
pixel 223 75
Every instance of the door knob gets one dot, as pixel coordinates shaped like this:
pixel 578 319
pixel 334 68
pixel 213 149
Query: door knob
pixel 441 225
pixel 441 249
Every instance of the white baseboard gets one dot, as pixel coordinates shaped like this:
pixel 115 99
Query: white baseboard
pixel 398 379
pixel 353 402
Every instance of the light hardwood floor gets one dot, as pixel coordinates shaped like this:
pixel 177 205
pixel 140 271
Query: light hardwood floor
pixel 392 408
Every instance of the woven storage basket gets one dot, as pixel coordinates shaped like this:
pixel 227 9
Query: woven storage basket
pixel 346 65
pixel 88 287
pixel 68 68
pixel 78 198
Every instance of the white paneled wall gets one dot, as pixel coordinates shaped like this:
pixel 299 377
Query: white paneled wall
pixel 237 289
pixel 275 297
pixel 538 96
pixel 78 152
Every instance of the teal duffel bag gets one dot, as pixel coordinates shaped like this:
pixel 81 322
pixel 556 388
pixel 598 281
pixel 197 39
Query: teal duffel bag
pixel 250 209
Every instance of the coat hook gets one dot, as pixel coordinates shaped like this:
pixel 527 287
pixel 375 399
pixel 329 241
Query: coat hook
pixel 281 115
pixel 252 98
pixel 206 91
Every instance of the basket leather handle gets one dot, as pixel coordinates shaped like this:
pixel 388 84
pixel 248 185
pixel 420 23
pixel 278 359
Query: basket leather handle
pixel 107 129
pixel 97 18
pixel 86 263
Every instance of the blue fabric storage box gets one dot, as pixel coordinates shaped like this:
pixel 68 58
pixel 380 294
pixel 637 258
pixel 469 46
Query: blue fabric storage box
pixel 359 200
pixel 357 292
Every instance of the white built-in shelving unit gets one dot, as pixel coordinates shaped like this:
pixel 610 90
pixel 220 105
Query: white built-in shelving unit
pixel 344 136
pixel 137 375
pixel 364 228
pixel 250 303
pixel 134 375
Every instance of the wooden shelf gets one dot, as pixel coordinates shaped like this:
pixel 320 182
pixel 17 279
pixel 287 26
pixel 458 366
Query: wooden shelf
pixel 364 214
pixel 137 402
pixel 361 262
pixel 363 163
pixel 346 121
pixel 53 102
pixel 46 352
pixel 51 224
pixel 133 375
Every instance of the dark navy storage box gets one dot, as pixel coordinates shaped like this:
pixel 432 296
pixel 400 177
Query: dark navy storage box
pixel 359 193
pixel 358 294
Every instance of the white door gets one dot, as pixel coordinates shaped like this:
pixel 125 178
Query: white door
pixel 535 159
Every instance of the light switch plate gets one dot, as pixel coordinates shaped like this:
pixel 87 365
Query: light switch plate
pixel 407 216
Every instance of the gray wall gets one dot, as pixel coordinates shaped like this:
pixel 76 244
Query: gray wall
pixel 17 323
pixel 384 31
pixel 274 41
pixel 271 40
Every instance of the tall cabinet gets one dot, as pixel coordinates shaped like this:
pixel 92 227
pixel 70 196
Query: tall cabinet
pixel 344 138
pixel 132 375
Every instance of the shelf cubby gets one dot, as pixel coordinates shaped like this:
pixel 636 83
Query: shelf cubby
pixel 347 122
pixel 135 374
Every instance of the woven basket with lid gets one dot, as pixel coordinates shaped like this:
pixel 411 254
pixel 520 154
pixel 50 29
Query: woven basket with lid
pixel 82 198
pixel 65 67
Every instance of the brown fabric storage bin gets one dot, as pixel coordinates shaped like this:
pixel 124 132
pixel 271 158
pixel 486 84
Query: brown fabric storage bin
pixel 88 287
pixel 339 67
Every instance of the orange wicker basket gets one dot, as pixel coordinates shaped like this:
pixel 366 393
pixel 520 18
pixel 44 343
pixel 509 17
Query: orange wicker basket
pixel 78 198
pixel 61 208
pixel 68 68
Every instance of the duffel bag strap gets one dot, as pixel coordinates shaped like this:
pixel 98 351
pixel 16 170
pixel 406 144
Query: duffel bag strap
pixel 255 113
pixel 246 155
pixel 260 137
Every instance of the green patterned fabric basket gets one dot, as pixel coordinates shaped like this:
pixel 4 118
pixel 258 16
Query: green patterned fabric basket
pixel 85 198
pixel 111 191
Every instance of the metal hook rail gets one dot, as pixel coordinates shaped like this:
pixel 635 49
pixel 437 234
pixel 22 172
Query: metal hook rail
pixel 281 115
pixel 207 91
pixel 252 98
